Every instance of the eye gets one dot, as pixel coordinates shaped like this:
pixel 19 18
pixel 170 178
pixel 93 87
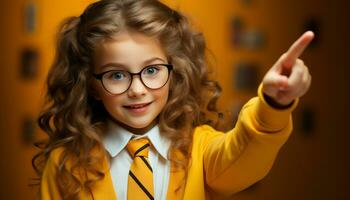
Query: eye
pixel 116 75
pixel 152 70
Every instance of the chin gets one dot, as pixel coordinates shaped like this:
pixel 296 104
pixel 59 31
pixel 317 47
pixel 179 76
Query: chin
pixel 138 127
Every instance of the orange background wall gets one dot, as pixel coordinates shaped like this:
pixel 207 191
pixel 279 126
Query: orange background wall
pixel 314 166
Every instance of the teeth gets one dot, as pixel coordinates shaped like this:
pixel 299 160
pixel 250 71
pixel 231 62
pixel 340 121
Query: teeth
pixel 138 106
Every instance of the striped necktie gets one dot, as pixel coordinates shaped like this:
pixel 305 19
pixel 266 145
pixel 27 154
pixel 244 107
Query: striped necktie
pixel 140 181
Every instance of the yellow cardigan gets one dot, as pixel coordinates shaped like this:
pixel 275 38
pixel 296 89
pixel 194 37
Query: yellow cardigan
pixel 221 163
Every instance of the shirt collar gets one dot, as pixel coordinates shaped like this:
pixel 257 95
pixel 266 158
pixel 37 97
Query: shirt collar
pixel 117 138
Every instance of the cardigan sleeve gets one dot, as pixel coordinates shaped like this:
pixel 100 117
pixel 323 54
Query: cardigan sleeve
pixel 244 155
pixel 48 187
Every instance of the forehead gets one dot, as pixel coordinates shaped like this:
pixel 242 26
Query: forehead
pixel 130 49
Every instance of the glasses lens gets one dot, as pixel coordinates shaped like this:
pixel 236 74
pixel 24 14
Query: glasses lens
pixel 116 82
pixel 155 76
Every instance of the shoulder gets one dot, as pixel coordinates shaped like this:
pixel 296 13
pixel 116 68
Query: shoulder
pixel 206 130
pixel 52 165
pixel 60 158
pixel 205 133
pixel 54 156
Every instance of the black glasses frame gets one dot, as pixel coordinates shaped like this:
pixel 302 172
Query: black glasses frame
pixel 100 77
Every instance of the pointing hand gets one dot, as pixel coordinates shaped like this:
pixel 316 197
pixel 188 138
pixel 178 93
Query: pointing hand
pixel 289 78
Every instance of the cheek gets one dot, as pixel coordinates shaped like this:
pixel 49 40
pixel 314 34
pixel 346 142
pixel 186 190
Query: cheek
pixel 111 101
pixel 162 94
pixel 113 105
pixel 162 99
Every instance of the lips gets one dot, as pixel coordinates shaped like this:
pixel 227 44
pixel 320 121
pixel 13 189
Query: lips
pixel 136 106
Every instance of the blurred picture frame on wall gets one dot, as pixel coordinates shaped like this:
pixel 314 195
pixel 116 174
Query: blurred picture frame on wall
pixel 28 129
pixel 308 120
pixel 29 63
pixel 246 76
pixel 243 37
pixel 30 17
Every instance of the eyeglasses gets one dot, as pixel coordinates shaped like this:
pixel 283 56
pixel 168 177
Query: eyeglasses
pixel 118 81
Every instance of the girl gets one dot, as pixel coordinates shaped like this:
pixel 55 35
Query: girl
pixel 129 104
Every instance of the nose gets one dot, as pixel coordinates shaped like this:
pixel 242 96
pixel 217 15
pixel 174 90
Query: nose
pixel 137 88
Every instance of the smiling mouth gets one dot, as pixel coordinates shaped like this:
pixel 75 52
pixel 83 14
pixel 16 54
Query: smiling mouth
pixel 137 106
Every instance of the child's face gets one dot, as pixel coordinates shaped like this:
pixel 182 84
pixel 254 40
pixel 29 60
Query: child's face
pixel 131 52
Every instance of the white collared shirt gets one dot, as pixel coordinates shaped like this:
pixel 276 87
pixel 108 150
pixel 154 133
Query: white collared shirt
pixel 115 143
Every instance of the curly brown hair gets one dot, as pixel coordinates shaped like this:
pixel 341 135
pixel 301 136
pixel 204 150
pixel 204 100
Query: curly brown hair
pixel 73 119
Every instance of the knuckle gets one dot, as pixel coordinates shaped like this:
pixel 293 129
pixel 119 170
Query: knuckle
pixel 299 71
pixel 305 81
pixel 307 69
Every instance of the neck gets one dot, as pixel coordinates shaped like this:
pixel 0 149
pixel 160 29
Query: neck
pixel 137 131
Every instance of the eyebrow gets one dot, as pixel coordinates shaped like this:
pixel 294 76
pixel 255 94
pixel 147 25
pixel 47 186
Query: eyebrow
pixel 115 64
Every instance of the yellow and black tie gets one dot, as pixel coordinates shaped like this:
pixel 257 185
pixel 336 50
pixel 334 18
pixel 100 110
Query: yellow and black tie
pixel 140 181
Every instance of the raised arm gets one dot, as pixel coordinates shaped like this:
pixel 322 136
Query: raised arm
pixel 243 156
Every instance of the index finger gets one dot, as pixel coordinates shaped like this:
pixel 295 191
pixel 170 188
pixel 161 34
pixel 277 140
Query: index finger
pixel 297 48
